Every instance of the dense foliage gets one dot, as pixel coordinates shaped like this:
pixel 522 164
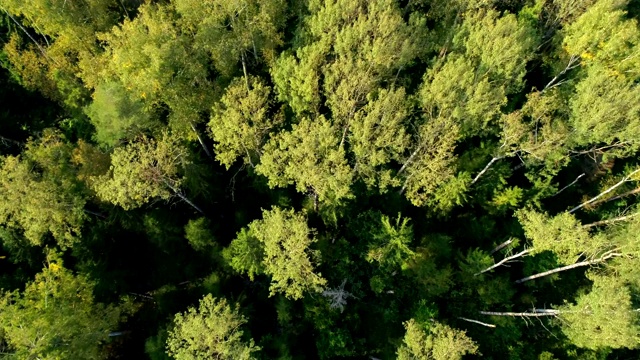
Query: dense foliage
pixel 320 179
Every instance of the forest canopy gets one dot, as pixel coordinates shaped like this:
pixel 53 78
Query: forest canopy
pixel 320 179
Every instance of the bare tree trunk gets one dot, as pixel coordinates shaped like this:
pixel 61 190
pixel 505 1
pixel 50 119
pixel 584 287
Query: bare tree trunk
pixel 477 322
pixel 486 168
pixel 409 160
pixel 204 147
pixel 504 261
pixel 501 246
pixel 603 258
pixel 534 313
pixel 244 70
pixel 610 221
pixel 184 198
pixel 570 185
pixel 625 179
pixel 632 192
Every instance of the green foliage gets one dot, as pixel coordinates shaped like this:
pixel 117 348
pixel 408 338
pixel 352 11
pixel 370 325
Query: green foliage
pixel 435 341
pixel 245 254
pixel 603 317
pixel 561 234
pixel 288 258
pixel 143 170
pixel 390 243
pixel 242 121
pixel 116 115
pixel 229 31
pixel 39 193
pixel 309 157
pixel 198 233
pixel 210 331
pixel 55 317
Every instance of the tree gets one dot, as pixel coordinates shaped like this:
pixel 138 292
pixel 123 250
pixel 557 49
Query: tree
pixel 65 44
pixel 603 317
pixel 245 254
pixel 55 317
pixel 144 170
pixel 434 341
pixel 348 49
pixel 309 157
pixel 377 136
pixel 390 246
pixel 430 166
pixel 157 64
pixel 230 31
pixel 284 239
pixel 212 331
pixel 604 111
pixel 117 116
pixel 40 194
pixel 241 122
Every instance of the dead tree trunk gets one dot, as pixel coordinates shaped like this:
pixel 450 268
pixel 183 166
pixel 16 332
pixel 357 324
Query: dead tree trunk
pixel 625 179
pixel 608 255
pixel 504 261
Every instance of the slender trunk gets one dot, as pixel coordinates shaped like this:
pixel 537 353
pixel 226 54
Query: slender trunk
pixel 244 70
pixel 610 221
pixel 486 168
pixel 7 140
pixel 534 313
pixel 570 185
pixel 344 133
pixel 184 198
pixel 626 178
pixel 204 147
pixel 501 246
pixel 42 50
pixel 476 322
pixel 504 261
pixel 632 192
pixel 409 160
pixel 95 213
pixel 603 258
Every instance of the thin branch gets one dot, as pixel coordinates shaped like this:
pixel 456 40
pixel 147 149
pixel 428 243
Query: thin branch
pixel 501 246
pixel 610 221
pixel 477 322
pixel 42 50
pixel 625 179
pixel 631 192
pixel 504 261
pixel 486 168
pixel 570 185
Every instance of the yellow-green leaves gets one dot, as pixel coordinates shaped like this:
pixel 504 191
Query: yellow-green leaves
pixel 55 317
pixel 434 341
pixel 39 192
pixel 309 157
pixel 241 122
pixel 562 234
pixel 602 318
pixel 233 31
pixel 283 239
pixel 143 170
pixel 212 331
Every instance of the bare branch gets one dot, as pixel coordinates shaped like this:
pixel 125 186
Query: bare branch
pixel 625 179
pixel 504 261
pixel 570 185
pixel 603 258
pixel 477 322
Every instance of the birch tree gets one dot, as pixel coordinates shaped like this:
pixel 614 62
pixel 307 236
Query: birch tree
pixel 434 341
pixel 242 121
pixel 56 316
pixel 145 170
pixel 210 331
